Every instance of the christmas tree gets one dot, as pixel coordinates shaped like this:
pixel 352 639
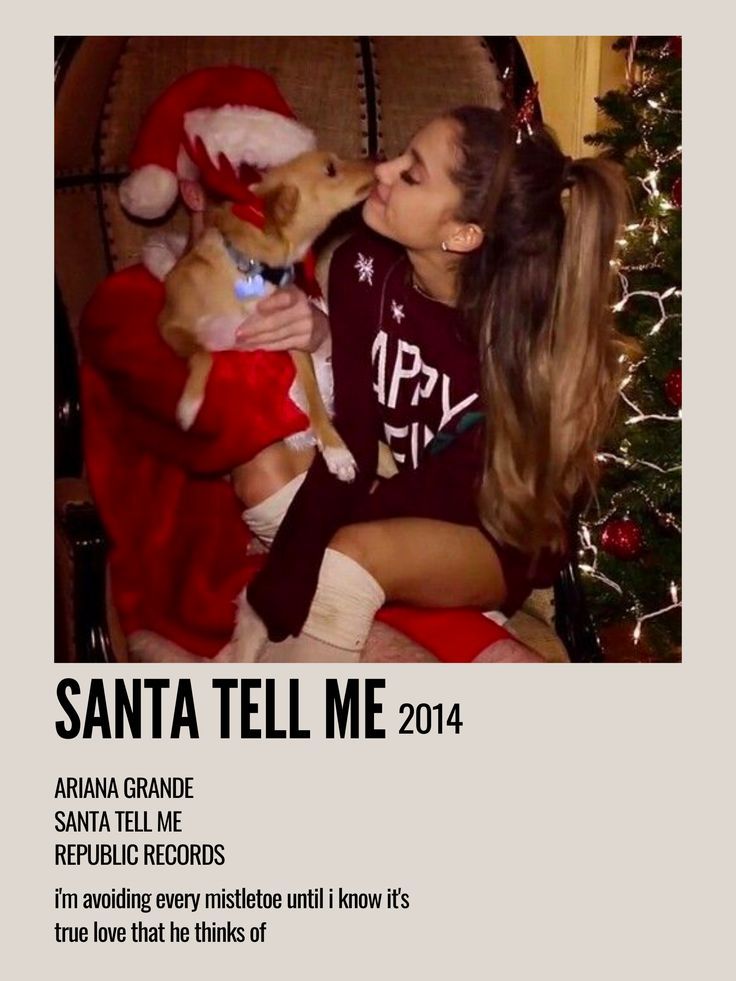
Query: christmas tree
pixel 630 549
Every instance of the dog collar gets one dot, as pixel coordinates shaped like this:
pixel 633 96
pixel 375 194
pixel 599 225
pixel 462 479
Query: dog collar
pixel 256 274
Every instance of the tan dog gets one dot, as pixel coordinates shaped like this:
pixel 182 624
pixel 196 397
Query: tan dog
pixel 233 264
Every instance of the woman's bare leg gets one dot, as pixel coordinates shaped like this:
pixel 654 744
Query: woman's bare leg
pixel 414 560
pixel 269 471
pixel 425 562
pixel 256 482
pixel 434 563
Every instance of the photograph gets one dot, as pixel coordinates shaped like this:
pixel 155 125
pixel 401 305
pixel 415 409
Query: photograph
pixel 367 349
pixel 368 357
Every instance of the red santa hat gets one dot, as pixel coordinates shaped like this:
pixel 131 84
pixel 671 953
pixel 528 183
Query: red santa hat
pixel 220 125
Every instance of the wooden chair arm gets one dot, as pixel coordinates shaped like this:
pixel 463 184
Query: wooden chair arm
pixel 573 622
pixel 82 626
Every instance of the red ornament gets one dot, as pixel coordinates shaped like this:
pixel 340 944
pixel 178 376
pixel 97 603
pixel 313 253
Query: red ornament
pixel 673 387
pixel 677 191
pixel 674 46
pixel 622 538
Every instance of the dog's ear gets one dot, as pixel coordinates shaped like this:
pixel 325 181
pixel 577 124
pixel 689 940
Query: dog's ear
pixel 280 204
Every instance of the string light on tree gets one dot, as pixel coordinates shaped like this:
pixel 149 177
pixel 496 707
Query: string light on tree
pixel 589 564
pixel 658 297
pixel 676 604
pixel 647 417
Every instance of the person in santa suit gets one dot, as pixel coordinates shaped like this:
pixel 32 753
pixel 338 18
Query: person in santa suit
pixel 471 330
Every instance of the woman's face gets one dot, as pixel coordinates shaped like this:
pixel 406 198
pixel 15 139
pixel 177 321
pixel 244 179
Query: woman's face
pixel 415 201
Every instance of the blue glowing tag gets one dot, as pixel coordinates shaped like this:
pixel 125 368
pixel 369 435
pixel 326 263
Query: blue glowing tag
pixel 252 286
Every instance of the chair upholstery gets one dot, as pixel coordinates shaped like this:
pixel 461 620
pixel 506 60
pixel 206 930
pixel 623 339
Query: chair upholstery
pixel 362 96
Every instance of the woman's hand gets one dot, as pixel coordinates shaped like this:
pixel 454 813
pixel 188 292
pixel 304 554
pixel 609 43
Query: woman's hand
pixel 283 321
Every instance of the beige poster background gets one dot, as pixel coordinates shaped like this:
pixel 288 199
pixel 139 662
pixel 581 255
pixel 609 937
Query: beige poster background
pixel 529 842
pixel 578 827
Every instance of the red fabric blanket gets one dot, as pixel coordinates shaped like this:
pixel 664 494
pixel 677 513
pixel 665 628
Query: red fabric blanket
pixel 178 546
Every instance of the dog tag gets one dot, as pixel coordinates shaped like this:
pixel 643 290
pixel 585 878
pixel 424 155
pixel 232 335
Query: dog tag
pixel 245 288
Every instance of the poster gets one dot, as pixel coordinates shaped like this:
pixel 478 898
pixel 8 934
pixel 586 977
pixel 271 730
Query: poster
pixel 403 820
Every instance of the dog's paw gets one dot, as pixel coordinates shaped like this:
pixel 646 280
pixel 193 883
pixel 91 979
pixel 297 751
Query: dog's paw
pixel 340 462
pixel 187 410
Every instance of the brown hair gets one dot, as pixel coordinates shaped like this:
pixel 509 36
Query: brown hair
pixel 536 294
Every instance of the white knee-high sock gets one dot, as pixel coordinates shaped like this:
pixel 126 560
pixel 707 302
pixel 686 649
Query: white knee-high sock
pixel 346 600
pixel 264 519
pixel 345 603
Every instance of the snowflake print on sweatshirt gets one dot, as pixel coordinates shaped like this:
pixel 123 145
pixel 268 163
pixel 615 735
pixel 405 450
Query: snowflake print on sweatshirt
pixel 425 372
pixel 364 266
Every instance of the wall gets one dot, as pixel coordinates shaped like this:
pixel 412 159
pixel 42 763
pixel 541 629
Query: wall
pixel 571 71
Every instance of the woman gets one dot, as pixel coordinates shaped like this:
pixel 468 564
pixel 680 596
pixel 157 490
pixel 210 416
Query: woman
pixel 471 330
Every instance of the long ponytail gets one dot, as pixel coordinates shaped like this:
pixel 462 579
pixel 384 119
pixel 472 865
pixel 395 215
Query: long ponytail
pixel 537 296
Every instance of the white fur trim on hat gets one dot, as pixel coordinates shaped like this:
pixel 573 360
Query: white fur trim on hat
pixel 149 192
pixel 247 134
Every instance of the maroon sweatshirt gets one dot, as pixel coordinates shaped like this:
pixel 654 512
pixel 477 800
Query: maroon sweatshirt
pixel 404 373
